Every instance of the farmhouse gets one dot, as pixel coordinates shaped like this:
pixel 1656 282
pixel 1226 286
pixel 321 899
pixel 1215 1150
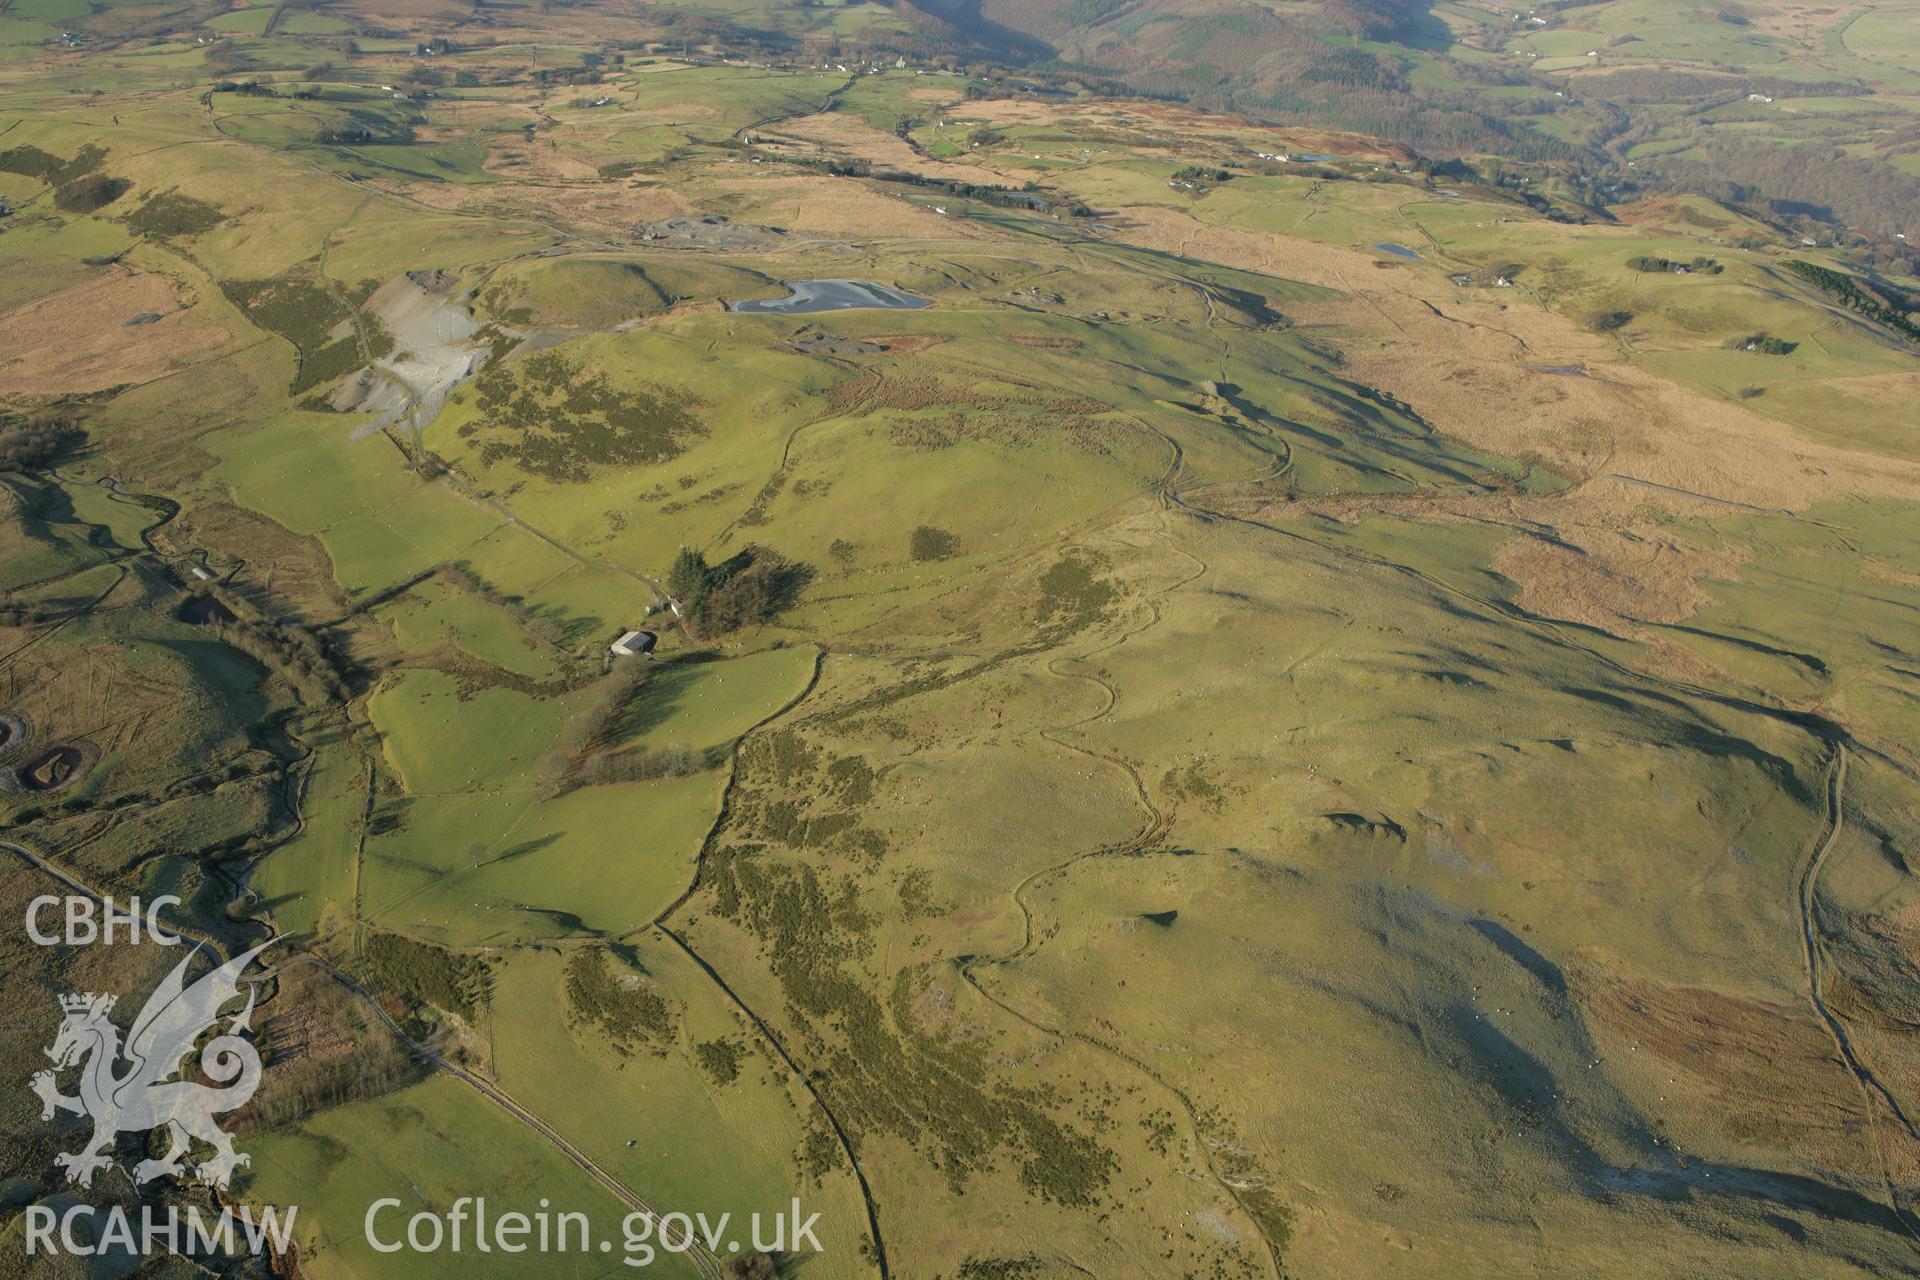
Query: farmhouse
pixel 633 643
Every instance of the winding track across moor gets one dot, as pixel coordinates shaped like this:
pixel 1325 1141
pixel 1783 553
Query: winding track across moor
pixel 1873 1093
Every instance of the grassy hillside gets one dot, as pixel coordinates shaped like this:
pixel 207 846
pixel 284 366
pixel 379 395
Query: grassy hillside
pixel 1303 710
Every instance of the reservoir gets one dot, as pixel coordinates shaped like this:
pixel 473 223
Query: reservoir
pixel 832 295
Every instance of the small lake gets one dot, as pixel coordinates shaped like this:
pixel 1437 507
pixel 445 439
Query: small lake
pixel 832 295
pixel 1398 250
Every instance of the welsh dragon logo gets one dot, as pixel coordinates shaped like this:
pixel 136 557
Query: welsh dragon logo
pixel 125 1088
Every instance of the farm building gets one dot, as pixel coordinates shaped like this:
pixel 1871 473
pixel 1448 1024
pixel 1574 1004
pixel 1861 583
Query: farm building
pixel 634 643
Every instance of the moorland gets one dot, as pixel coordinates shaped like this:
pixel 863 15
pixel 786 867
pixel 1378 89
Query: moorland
pixel 1339 701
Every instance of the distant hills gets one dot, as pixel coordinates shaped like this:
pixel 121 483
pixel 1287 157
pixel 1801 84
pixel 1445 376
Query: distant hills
pixel 1618 101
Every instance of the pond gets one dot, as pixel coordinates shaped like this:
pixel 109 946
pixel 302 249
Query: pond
pixel 832 295
pixel 54 770
pixel 1398 249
